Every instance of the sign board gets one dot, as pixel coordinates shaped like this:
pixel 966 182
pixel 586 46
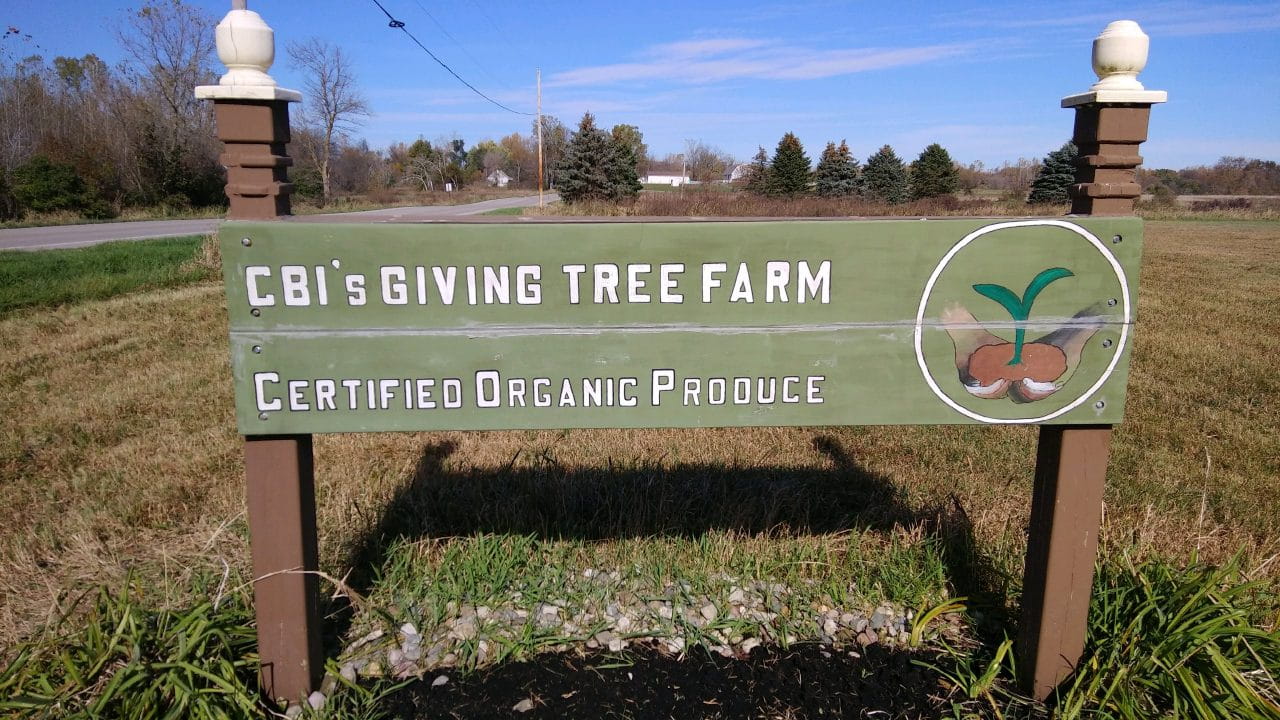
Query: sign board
pixel 369 327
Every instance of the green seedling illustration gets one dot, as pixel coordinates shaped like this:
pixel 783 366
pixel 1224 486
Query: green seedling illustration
pixel 1020 308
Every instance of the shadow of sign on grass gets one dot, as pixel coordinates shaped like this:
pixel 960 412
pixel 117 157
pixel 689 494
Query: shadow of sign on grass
pixel 805 681
pixel 549 501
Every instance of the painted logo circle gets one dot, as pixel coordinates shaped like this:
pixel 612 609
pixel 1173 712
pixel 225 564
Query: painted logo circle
pixel 1001 336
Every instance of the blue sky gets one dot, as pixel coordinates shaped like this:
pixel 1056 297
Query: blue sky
pixel 982 78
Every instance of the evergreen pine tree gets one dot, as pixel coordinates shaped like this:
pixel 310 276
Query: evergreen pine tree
pixel 885 178
pixel 789 169
pixel 594 167
pixel 1056 175
pixel 853 171
pixel 624 173
pixel 758 173
pixel 933 174
pixel 837 173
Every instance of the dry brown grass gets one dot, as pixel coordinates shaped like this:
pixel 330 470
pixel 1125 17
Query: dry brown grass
pixel 118 451
pixel 708 202
pixel 705 202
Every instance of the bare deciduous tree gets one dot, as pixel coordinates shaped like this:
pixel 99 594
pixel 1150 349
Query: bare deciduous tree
pixel 706 163
pixel 172 45
pixel 334 105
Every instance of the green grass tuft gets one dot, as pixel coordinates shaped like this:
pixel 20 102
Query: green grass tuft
pixel 45 278
pixel 121 659
pixel 1174 642
pixel 1163 642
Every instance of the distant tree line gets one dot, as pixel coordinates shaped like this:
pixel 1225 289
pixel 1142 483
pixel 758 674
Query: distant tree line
pixel 78 135
pixel 884 178
pixel 1228 176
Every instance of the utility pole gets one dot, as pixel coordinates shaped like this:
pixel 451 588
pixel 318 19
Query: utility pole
pixel 539 70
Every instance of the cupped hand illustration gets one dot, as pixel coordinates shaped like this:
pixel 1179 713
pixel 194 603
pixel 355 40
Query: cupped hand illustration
pixel 991 367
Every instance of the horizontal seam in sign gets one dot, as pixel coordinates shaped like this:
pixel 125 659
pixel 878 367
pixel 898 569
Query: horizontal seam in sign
pixel 509 330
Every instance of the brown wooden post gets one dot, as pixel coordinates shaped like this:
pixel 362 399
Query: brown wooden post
pixel 252 117
pixel 1071 462
pixel 282 536
pixel 1066 507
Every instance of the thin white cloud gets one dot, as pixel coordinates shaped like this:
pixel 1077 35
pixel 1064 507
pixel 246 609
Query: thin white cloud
pixel 1157 19
pixel 702 48
pixel 723 59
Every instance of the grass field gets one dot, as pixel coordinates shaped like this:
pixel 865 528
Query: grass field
pixel 55 277
pixel 120 460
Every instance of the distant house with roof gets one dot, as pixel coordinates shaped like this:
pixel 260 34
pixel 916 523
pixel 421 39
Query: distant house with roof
pixel 497 178
pixel 737 173
pixel 666 173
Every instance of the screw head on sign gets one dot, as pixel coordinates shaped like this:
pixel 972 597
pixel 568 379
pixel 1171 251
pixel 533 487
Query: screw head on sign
pixel 1111 302
pixel 1106 343
pixel 262 416
pixel 257 349
pixel 246 242
pixel 1116 238
pixel 255 312
pixel 1099 405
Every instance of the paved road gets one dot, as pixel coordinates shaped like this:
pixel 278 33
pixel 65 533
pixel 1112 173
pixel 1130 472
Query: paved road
pixel 71 236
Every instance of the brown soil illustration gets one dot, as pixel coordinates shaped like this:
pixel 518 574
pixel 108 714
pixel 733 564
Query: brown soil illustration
pixel 1047 363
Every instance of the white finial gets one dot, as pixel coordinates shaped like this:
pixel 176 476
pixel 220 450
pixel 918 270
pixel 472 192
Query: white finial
pixel 247 46
pixel 1119 54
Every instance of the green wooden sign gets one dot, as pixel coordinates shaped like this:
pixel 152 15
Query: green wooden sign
pixel 344 328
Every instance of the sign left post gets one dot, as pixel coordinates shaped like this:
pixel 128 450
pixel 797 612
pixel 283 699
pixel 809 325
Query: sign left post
pixel 252 116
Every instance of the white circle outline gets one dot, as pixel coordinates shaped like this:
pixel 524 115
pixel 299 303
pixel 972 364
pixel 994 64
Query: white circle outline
pixel 928 290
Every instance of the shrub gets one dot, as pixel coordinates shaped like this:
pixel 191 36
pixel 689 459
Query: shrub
pixel 1163 196
pixel 41 185
pixel 1221 204
pixel 306 182
pixel 8 203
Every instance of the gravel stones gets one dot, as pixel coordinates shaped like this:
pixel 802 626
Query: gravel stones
pixel 608 610
pixel 880 617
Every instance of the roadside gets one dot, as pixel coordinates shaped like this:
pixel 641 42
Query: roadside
pixel 76 236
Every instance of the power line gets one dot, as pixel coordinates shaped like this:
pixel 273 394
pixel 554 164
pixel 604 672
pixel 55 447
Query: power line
pixel 398 25
pixel 492 23
pixel 461 47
